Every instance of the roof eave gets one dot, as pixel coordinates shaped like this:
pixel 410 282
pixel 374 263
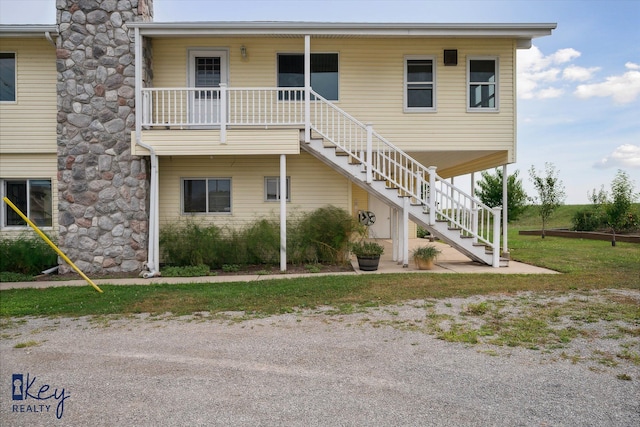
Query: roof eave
pixel 27 30
pixel 228 28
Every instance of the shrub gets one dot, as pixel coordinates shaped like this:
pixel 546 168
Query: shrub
pixel 367 249
pixel 426 252
pixel 318 236
pixel 262 241
pixel 26 255
pixel 233 248
pixel 191 244
pixel 587 220
pixel 326 232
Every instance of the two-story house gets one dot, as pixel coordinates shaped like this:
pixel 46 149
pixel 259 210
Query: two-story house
pixel 233 121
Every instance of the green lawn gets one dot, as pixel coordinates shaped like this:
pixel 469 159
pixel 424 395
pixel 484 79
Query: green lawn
pixel 585 264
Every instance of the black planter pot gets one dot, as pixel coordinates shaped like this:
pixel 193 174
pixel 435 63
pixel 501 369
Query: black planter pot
pixel 368 263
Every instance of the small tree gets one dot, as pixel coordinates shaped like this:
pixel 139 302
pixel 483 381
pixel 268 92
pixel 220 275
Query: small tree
pixel 490 192
pixel 618 208
pixel 550 191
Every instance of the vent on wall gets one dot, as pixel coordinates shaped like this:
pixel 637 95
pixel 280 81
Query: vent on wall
pixel 450 57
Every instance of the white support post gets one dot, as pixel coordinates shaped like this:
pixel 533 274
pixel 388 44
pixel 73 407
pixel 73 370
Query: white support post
pixel 496 236
pixel 400 236
pixel 223 113
pixel 405 232
pixel 432 195
pixel 505 209
pixel 395 256
pixel 368 162
pixel 307 88
pixel 283 212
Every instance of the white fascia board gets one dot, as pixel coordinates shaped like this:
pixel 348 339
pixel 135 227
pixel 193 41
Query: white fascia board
pixel 35 30
pixel 518 31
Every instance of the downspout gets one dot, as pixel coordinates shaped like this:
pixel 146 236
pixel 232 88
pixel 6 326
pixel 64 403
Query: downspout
pixel 47 35
pixel 153 246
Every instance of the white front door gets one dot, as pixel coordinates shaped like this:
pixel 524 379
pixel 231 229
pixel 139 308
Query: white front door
pixel 381 229
pixel 207 69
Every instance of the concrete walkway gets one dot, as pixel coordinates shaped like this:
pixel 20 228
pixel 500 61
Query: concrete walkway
pixel 450 261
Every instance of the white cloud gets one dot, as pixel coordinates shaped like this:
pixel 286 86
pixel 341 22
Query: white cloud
pixel 625 156
pixel 564 55
pixel 537 72
pixel 623 88
pixel 550 92
pixel 578 74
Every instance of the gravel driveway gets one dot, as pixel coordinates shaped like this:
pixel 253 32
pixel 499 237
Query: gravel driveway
pixel 304 369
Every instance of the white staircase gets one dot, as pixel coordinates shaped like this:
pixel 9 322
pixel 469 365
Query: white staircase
pixel 359 153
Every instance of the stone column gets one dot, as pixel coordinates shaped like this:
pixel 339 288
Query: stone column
pixel 103 189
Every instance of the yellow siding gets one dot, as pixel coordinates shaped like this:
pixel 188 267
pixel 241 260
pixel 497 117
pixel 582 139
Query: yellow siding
pixel 29 124
pixel 313 185
pixel 34 166
pixel 359 199
pixel 371 84
pixel 207 142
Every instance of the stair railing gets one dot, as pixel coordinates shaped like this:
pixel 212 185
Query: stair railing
pixel 383 161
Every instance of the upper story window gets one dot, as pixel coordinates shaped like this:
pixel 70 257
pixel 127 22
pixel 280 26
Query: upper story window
pixel 272 189
pixel 32 197
pixel 483 84
pixel 324 72
pixel 419 84
pixel 206 195
pixel 7 77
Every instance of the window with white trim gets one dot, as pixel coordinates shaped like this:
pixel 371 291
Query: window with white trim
pixel 206 195
pixel 483 84
pixel 33 197
pixel 272 189
pixel 7 77
pixel 419 83
pixel 324 73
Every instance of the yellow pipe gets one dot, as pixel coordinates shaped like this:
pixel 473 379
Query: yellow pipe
pixel 46 239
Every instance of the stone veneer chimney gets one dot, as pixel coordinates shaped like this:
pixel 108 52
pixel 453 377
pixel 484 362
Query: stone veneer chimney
pixel 103 189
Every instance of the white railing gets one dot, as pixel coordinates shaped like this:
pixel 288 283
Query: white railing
pixel 221 107
pixel 383 161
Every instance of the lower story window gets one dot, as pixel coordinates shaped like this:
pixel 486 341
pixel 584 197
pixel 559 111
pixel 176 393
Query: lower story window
pixel 272 189
pixel 208 195
pixel 33 198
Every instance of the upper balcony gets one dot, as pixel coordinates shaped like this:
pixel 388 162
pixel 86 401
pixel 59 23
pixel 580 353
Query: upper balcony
pixel 221 107
pixel 223 120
